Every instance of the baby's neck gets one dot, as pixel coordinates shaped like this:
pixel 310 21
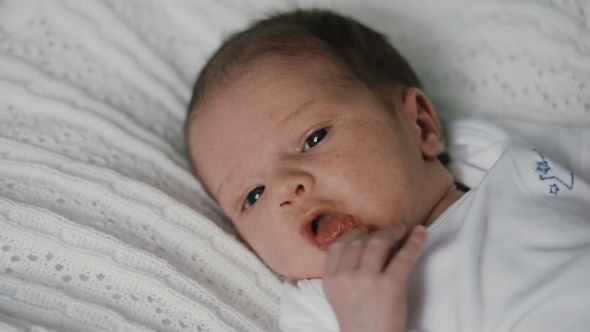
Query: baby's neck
pixel 450 197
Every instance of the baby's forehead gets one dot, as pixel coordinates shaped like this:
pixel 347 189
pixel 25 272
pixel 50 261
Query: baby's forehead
pixel 277 84
pixel 317 69
pixel 269 89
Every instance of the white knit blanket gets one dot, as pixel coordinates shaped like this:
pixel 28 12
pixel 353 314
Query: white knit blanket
pixel 103 227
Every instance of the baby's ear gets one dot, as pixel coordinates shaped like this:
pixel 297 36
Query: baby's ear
pixel 422 113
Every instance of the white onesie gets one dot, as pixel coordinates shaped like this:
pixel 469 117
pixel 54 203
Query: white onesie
pixel 512 254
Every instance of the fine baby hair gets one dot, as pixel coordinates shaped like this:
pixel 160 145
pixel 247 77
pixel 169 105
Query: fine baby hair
pixel 353 52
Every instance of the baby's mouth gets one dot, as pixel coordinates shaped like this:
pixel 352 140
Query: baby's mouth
pixel 327 228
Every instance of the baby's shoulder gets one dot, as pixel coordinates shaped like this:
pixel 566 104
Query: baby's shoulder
pixel 533 171
pixel 524 175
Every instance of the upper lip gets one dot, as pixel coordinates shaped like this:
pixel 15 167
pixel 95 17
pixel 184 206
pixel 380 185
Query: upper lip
pixel 306 223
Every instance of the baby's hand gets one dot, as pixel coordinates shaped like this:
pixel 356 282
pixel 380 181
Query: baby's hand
pixel 365 277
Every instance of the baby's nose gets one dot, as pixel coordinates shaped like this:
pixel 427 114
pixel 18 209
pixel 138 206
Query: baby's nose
pixel 291 188
pixel 299 191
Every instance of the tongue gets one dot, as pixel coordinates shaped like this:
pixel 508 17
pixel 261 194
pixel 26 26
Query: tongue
pixel 330 228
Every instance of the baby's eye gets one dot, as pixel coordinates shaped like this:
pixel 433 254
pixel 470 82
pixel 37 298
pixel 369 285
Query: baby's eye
pixel 315 138
pixel 253 197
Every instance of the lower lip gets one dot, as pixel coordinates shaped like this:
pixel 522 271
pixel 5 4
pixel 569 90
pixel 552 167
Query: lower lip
pixel 344 226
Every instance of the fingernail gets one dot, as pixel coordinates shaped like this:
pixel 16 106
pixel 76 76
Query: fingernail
pixel 420 227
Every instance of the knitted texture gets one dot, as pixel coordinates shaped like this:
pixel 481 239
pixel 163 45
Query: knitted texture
pixel 102 225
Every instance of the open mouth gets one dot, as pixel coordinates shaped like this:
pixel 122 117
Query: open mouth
pixel 327 228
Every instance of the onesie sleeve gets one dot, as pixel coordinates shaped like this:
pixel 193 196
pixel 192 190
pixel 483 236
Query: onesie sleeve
pixel 305 308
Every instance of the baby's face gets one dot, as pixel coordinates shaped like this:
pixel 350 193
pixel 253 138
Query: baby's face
pixel 296 164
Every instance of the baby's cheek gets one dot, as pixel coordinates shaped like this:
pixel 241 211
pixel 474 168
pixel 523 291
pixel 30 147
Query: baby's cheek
pixel 360 174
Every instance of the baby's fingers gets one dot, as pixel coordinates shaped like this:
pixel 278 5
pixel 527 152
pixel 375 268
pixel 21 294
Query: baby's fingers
pixel 334 259
pixel 380 247
pixel 402 263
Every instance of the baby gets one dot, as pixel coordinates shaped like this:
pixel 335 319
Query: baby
pixel 311 132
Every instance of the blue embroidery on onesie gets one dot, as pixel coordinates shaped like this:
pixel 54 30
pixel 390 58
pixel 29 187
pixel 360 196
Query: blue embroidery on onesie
pixel 544 169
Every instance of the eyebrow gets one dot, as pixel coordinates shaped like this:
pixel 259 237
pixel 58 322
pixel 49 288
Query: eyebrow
pixel 223 183
pixel 297 112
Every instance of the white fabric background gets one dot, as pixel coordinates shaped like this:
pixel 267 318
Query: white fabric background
pixel 103 227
